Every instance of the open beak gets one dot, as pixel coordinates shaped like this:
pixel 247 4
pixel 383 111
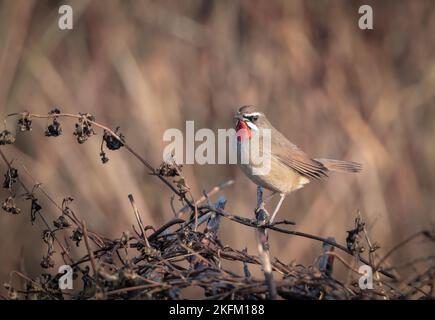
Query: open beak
pixel 242 129
pixel 238 117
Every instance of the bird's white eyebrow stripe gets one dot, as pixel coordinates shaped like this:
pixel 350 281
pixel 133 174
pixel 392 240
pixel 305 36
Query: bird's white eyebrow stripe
pixel 253 114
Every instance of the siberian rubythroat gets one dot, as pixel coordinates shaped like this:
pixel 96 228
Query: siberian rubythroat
pixel 290 167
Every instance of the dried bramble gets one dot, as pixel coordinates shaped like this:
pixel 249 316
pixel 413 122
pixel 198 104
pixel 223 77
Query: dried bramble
pixel 47 262
pixel 84 128
pixel 352 235
pixel 12 294
pixel 87 116
pixel 54 129
pixel 169 169
pixel 11 177
pixel 61 223
pixel 25 123
pixel 151 252
pixel 47 237
pixel 103 157
pixel 10 206
pixel 83 132
pixel 77 236
pixel 65 203
pixel 182 187
pixel 6 137
pixel 112 143
pixel 54 111
pixel 35 208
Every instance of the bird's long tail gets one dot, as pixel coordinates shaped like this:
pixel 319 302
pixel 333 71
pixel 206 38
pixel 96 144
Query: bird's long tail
pixel 340 166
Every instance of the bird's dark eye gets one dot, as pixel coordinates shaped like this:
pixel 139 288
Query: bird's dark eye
pixel 252 118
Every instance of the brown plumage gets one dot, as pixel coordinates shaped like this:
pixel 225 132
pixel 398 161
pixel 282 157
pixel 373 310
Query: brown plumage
pixel 291 168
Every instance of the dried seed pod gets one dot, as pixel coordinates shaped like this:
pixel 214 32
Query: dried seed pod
pixel 61 222
pixel 54 129
pixel 182 186
pixel 103 157
pixel 84 128
pixel 6 137
pixel 54 111
pixel 25 123
pixel 47 237
pixel 112 143
pixel 35 208
pixel 77 236
pixel 352 235
pixel 10 206
pixel 11 177
pixel 169 169
pixel 47 262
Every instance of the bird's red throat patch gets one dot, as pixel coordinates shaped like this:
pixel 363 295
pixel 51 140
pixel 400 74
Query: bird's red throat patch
pixel 243 131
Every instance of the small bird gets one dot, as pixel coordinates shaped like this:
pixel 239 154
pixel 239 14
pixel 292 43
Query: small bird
pixel 290 167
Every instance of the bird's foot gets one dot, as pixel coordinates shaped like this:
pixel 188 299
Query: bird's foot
pixel 262 217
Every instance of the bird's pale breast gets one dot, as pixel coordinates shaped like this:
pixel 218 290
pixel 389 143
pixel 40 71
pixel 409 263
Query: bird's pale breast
pixel 281 178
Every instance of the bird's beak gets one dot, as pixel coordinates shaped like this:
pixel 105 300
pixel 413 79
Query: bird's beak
pixel 238 117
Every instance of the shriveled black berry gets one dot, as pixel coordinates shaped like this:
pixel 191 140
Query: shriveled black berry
pixel 112 143
pixel 54 129
pixel 6 137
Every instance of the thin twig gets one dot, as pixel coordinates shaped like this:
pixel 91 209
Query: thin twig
pixel 90 252
pixel 138 219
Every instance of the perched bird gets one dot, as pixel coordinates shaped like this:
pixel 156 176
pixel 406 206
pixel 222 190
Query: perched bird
pixel 290 167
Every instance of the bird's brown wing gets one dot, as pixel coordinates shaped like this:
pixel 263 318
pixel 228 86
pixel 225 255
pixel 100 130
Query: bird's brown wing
pixel 290 155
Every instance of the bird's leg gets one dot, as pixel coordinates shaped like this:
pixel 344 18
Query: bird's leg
pixel 260 212
pixel 269 196
pixel 260 202
pixel 282 196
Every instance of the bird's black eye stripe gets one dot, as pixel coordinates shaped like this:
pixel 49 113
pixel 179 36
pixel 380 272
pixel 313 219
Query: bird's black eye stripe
pixel 251 118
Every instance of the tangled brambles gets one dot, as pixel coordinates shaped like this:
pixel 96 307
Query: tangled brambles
pixel 186 252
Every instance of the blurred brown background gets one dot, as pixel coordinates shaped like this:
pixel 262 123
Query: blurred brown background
pixel 333 89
